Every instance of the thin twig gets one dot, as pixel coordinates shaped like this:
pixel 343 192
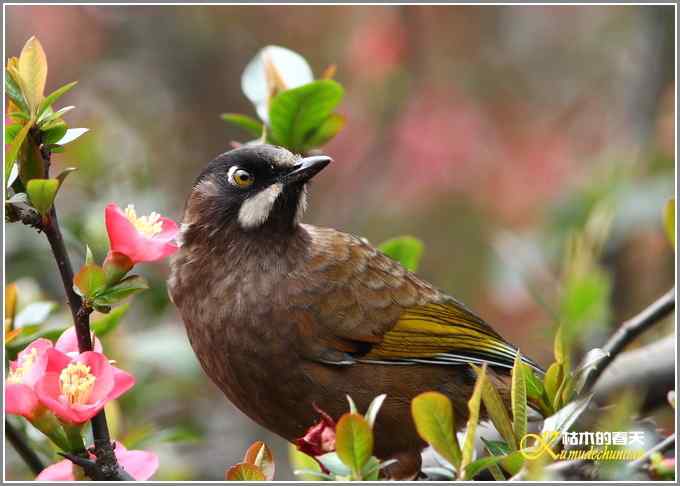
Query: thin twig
pixel 628 331
pixel 18 441
pixel 106 465
pixel 661 447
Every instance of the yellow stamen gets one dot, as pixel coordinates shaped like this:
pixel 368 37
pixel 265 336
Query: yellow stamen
pixel 24 365
pixel 149 225
pixel 76 383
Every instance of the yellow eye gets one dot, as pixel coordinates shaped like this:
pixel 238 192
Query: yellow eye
pixel 240 178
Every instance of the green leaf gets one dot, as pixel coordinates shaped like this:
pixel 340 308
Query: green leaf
pixel 89 257
pixel 11 132
pixel 90 280
pixel 54 133
pixel 474 404
pixel 496 447
pixel 19 115
pixel 407 250
pixel 553 380
pixel 109 322
pixel 534 385
pixel 123 289
pixel 584 306
pixel 64 174
pixel 560 346
pixel 296 114
pixel 433 416
pixel 497 412
pixel 303 465
pixel 54 96
pixel 513 462
pixel 14 93
pixel 669 220
pixel 518 398
pixel 354 442
pixel 371 469
pixel 49 117
pixel 33 71
pixel 479 465
pixel 41 193
pixel 12 151
pixel 334 464
pixel 245 472
pixel 330 127
pixel 251 125
pixel 72 134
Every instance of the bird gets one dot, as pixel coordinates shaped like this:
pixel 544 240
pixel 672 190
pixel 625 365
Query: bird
pixel 285 316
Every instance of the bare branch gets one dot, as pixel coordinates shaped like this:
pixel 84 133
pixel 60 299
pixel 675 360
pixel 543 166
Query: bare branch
pixel 106 465
pixel 661 447
pixel 628 331
pixel 18 441
pixel 649 369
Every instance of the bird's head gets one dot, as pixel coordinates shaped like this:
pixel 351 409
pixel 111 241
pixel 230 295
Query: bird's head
pixel 255 188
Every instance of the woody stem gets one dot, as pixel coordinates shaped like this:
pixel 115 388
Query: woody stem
pixel 23 449
pixel 107 465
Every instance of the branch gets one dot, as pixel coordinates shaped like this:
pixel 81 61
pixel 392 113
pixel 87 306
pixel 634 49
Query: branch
pixel 661 447
pixel 628 331
pixel 649 369
pixel 106 463
pixel 19 443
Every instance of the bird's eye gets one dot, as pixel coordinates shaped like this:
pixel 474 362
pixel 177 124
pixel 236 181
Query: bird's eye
pixel 240 178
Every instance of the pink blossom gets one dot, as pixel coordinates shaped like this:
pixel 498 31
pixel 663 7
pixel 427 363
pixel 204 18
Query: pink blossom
pixel 140 238
pixel 30 366
pixel 141 465
pixel 76 388
pixel 24 373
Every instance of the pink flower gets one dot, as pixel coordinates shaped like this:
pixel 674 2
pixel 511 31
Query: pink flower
pixel 320 438
pixel 76 387
pixel 140 238
pixel 68 342
pixel 24 373
pixel 29 368
pixel 141 465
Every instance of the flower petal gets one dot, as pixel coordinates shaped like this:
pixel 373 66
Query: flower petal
pixel 37 368
pixel 141 465
pixel 123 235
pixel 61 471
pixel 103 373
pixel 21 400
pixel 68 342
pixel 123 381
pixel 49 394
pixel 169 230
pixel 56 361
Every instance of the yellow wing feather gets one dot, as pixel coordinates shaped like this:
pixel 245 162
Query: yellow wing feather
pixel 445 333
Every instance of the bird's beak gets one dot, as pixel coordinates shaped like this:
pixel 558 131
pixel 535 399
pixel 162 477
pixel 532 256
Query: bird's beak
pixel 307 168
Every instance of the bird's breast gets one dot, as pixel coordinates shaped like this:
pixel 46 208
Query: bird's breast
pixel 229 308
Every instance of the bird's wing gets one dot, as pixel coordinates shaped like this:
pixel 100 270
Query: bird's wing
pixel 359 295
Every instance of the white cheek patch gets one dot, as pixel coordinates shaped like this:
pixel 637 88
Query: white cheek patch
pixel 302 205
pixel 183 228
pixel 255 210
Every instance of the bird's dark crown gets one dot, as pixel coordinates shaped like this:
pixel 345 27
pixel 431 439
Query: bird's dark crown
pixel 252 189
